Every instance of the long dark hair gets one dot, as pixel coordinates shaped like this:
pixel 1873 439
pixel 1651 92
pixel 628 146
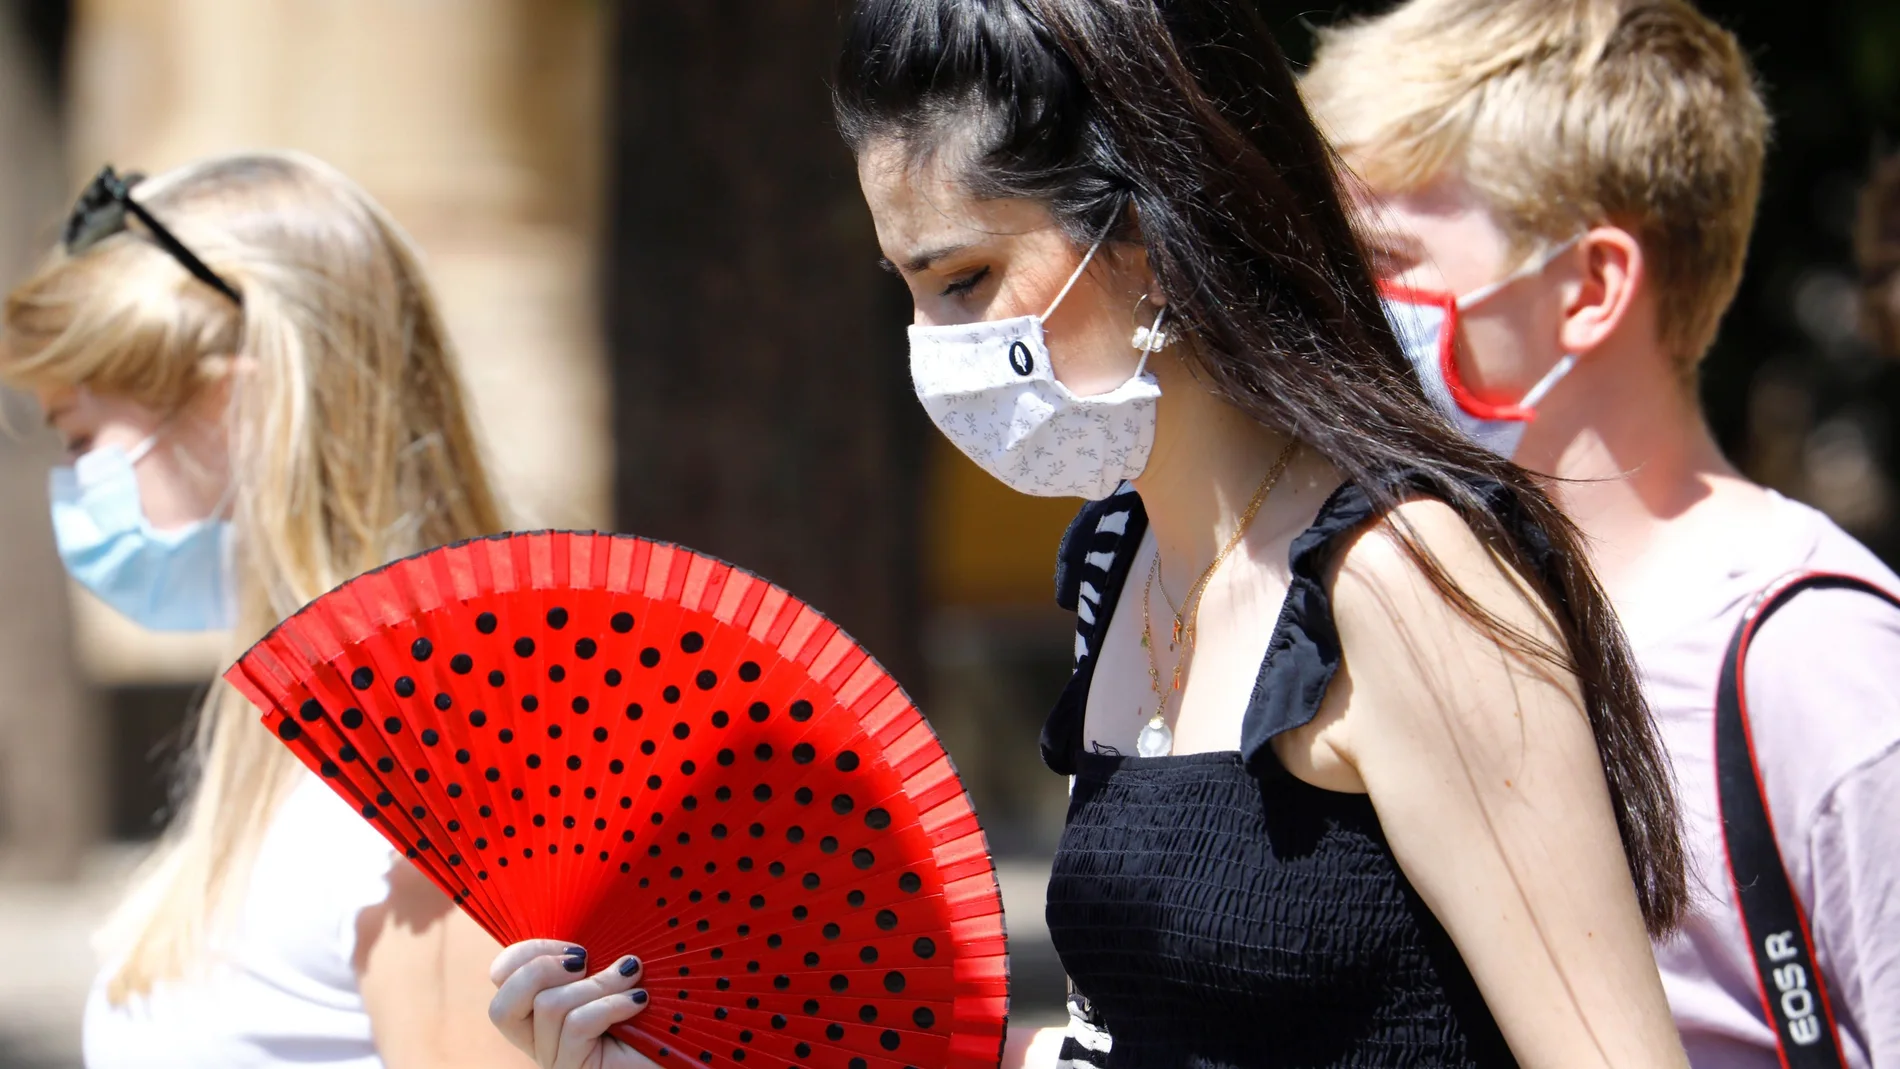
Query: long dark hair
pixel 1186 112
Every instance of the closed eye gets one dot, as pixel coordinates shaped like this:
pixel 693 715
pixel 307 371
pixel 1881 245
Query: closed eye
pixel 966 283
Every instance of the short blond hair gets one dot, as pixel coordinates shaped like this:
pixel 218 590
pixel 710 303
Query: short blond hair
pixel 1565 114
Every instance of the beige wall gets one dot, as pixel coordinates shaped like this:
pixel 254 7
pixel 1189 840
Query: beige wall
pixel 474 121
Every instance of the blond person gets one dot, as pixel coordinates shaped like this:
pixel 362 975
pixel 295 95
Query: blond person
pixel 1570 184
pixel 247 368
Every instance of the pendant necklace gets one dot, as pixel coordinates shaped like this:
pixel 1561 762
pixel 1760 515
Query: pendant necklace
pixel 1156 738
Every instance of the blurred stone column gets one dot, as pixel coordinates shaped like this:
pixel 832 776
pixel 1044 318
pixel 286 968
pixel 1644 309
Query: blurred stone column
pixel 759 372
pixel 51 771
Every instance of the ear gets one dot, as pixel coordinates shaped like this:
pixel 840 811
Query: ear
pixel 1611 275
pixel 1134 257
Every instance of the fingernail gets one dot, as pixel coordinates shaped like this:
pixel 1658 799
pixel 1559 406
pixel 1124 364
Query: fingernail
pixel 574 962
pixel 580 952
pixel 629 966
pixel 639 998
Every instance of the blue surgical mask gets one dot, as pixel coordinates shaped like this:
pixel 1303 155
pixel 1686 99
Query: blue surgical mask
pixel 175 580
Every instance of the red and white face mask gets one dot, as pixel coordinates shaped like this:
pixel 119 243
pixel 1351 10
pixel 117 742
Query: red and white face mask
pixel 1426 322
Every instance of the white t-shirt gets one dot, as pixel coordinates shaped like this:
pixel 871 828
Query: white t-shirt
pixel 283 991
pixel 1823 687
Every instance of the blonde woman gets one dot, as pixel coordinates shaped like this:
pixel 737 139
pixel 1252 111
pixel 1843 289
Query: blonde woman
pixel 259 401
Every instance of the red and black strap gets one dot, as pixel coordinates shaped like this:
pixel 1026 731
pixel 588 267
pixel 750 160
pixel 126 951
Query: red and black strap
pixel 1794 995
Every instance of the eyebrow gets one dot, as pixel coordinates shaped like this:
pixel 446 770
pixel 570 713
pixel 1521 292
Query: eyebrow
pixel 923 260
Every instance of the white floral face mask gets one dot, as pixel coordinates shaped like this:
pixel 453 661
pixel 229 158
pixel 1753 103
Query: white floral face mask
pixel 990 389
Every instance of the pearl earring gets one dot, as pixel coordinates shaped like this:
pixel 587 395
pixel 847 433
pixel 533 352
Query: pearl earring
pixel 1151 339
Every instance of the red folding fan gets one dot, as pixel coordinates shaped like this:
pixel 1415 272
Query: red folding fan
pixel 633 747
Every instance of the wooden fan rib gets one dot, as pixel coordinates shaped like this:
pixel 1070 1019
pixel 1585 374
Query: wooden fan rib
pixel 736 589
pixel 841 669
pixel 622 578
pixel 391 653
pixel 454 574
pixel 950 819
pixel 676 575
pixel 977 1043
pixel 973 899
pixel 783 615
pixel 716 582
pixel 538 551
pixel 916 750
pixel 699 572
pixel 864 689
pixel 659 569
pixel 746 615
pixel 834 649
pixel 374 743
pixel 981 975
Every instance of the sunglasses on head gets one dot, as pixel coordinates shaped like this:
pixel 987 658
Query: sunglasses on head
pixel 100 213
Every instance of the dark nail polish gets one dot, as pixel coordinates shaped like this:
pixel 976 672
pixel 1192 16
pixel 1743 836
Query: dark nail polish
pixel 629 966
pixel 574 962
pixel 575 952
pixel 639 998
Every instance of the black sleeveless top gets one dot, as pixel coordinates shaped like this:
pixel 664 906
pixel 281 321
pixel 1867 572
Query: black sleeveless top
pixel 1214 910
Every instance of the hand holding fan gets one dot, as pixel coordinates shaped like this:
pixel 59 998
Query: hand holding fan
pixel 645 751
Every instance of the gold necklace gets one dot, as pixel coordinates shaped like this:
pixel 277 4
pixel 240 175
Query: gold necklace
pixel 1187 614
pixel 1156 739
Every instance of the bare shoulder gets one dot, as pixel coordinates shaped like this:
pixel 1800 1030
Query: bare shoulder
pixel 1402 633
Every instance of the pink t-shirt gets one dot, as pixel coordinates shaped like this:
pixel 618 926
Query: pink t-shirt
pixel 1824 705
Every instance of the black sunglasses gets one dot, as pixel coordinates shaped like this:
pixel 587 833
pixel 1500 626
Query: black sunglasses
pixel 100 213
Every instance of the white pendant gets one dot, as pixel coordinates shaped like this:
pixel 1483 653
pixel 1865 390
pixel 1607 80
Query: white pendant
pixel 1155 740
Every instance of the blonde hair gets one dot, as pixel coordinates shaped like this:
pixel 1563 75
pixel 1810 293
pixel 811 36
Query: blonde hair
pixel 1561 115
pixel 350 445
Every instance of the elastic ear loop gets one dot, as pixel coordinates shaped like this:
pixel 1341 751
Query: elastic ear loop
pixel 141 450
pixel 1148 346
pixel 1543 260
pixel 1073 279
pixel 1549 381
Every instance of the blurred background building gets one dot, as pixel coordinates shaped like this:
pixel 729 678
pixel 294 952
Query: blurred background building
pixel 653 255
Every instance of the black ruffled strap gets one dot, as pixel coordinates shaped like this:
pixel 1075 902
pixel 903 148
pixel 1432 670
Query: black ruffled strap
pixel 1304 653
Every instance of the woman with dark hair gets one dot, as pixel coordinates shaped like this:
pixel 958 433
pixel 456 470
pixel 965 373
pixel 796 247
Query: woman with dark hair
pixel 1361 773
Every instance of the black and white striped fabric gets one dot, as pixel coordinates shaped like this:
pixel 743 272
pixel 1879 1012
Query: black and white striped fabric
pixel 1094 558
